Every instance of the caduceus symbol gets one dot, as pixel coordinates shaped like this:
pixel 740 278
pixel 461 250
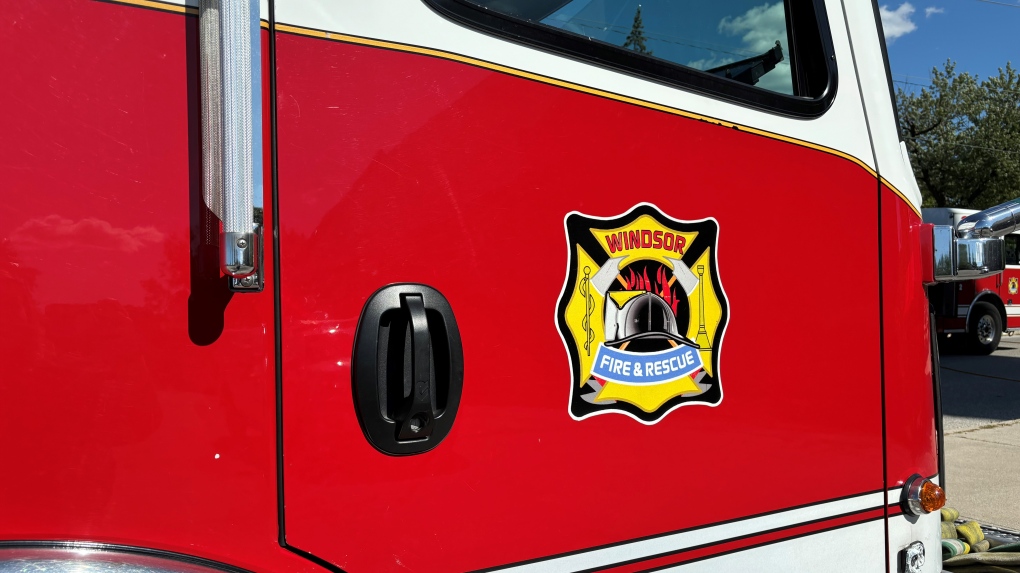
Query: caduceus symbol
pixel 589 308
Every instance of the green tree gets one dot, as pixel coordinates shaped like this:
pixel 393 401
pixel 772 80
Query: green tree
pixel 964 137
pixel 636 38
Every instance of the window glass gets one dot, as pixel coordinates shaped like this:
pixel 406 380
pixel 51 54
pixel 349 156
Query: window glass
pixel 1013 249
pixel 744 40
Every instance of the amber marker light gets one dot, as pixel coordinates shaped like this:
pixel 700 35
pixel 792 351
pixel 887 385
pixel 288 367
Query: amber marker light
pixel 933 497
pixel 921 496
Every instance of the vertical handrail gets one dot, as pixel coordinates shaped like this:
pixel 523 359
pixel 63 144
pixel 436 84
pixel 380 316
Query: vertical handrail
pixel 230 67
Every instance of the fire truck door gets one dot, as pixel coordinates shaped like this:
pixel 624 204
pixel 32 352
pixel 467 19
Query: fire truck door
pixel 1009 288
pixel 642 219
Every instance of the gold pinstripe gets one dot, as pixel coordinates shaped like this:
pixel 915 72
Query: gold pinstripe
pixel 156 5
pixel 169 7
pixel 337 37
pixel 291 29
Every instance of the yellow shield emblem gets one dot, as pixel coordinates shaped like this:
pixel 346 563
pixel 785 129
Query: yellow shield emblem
pixel 642 313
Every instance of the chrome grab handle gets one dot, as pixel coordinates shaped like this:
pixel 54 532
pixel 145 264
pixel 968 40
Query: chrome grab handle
pixel 974 249
pixel 231 92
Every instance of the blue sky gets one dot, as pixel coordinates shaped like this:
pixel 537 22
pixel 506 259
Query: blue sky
pixel 979 36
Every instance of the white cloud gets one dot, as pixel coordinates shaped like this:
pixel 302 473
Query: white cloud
pixel 897 22
pixel 760 28
pixel 712 62
pixel 779 79
pixel 54 230
pixel 932 10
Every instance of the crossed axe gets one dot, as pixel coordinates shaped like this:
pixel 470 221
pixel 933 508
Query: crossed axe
pixel 610 272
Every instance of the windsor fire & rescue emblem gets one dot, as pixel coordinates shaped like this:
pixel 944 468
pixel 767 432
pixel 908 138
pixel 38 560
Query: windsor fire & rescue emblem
pixel 642 314
pixel 1013 285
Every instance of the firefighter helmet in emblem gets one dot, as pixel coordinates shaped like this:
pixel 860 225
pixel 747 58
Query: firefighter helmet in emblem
pixel 1013 285
pixel 642 314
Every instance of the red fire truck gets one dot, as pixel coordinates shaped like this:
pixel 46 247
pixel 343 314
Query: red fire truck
pixel 464 285
pixel 980 310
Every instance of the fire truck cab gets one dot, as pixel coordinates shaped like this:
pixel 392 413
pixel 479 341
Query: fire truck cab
pixel 978 310
pixel 298 286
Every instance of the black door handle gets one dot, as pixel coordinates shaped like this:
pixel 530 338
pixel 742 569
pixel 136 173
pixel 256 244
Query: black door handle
pixel 418 415
pixel 408 369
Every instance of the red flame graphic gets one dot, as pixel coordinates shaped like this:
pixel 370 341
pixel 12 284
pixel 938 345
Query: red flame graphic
pixel 659 286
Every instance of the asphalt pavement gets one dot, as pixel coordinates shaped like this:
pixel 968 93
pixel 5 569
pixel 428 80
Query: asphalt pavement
pixel 981 421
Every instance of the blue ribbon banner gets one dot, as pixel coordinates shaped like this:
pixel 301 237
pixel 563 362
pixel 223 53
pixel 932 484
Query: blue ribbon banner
pixel 645 367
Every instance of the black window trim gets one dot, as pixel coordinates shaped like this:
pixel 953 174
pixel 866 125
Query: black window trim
pixel 589 51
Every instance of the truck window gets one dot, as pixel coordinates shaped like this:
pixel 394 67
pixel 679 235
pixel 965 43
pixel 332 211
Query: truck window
pixel 739 39
pixel 1013 249
pixel 773 46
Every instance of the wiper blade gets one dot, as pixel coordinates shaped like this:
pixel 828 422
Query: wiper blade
pixel 750 70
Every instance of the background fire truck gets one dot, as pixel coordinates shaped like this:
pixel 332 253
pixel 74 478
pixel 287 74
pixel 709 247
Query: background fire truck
pixel 977 311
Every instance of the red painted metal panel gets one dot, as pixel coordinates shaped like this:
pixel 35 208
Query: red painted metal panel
pixel 397 167
pixel 989 284
pixel 137 395
pixel 968 290
pixel 991 288
pixel 909 402
pixel 1009 292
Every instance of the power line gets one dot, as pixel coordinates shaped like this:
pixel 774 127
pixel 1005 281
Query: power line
pixel 911 83
pixel 910 76
pixel 1006 151
pixel 652 36
pixel 660 37
pixel 1015 92
pixel 1000 3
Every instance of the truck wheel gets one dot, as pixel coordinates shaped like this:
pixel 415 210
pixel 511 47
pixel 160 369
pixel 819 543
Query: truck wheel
pixel 985 328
